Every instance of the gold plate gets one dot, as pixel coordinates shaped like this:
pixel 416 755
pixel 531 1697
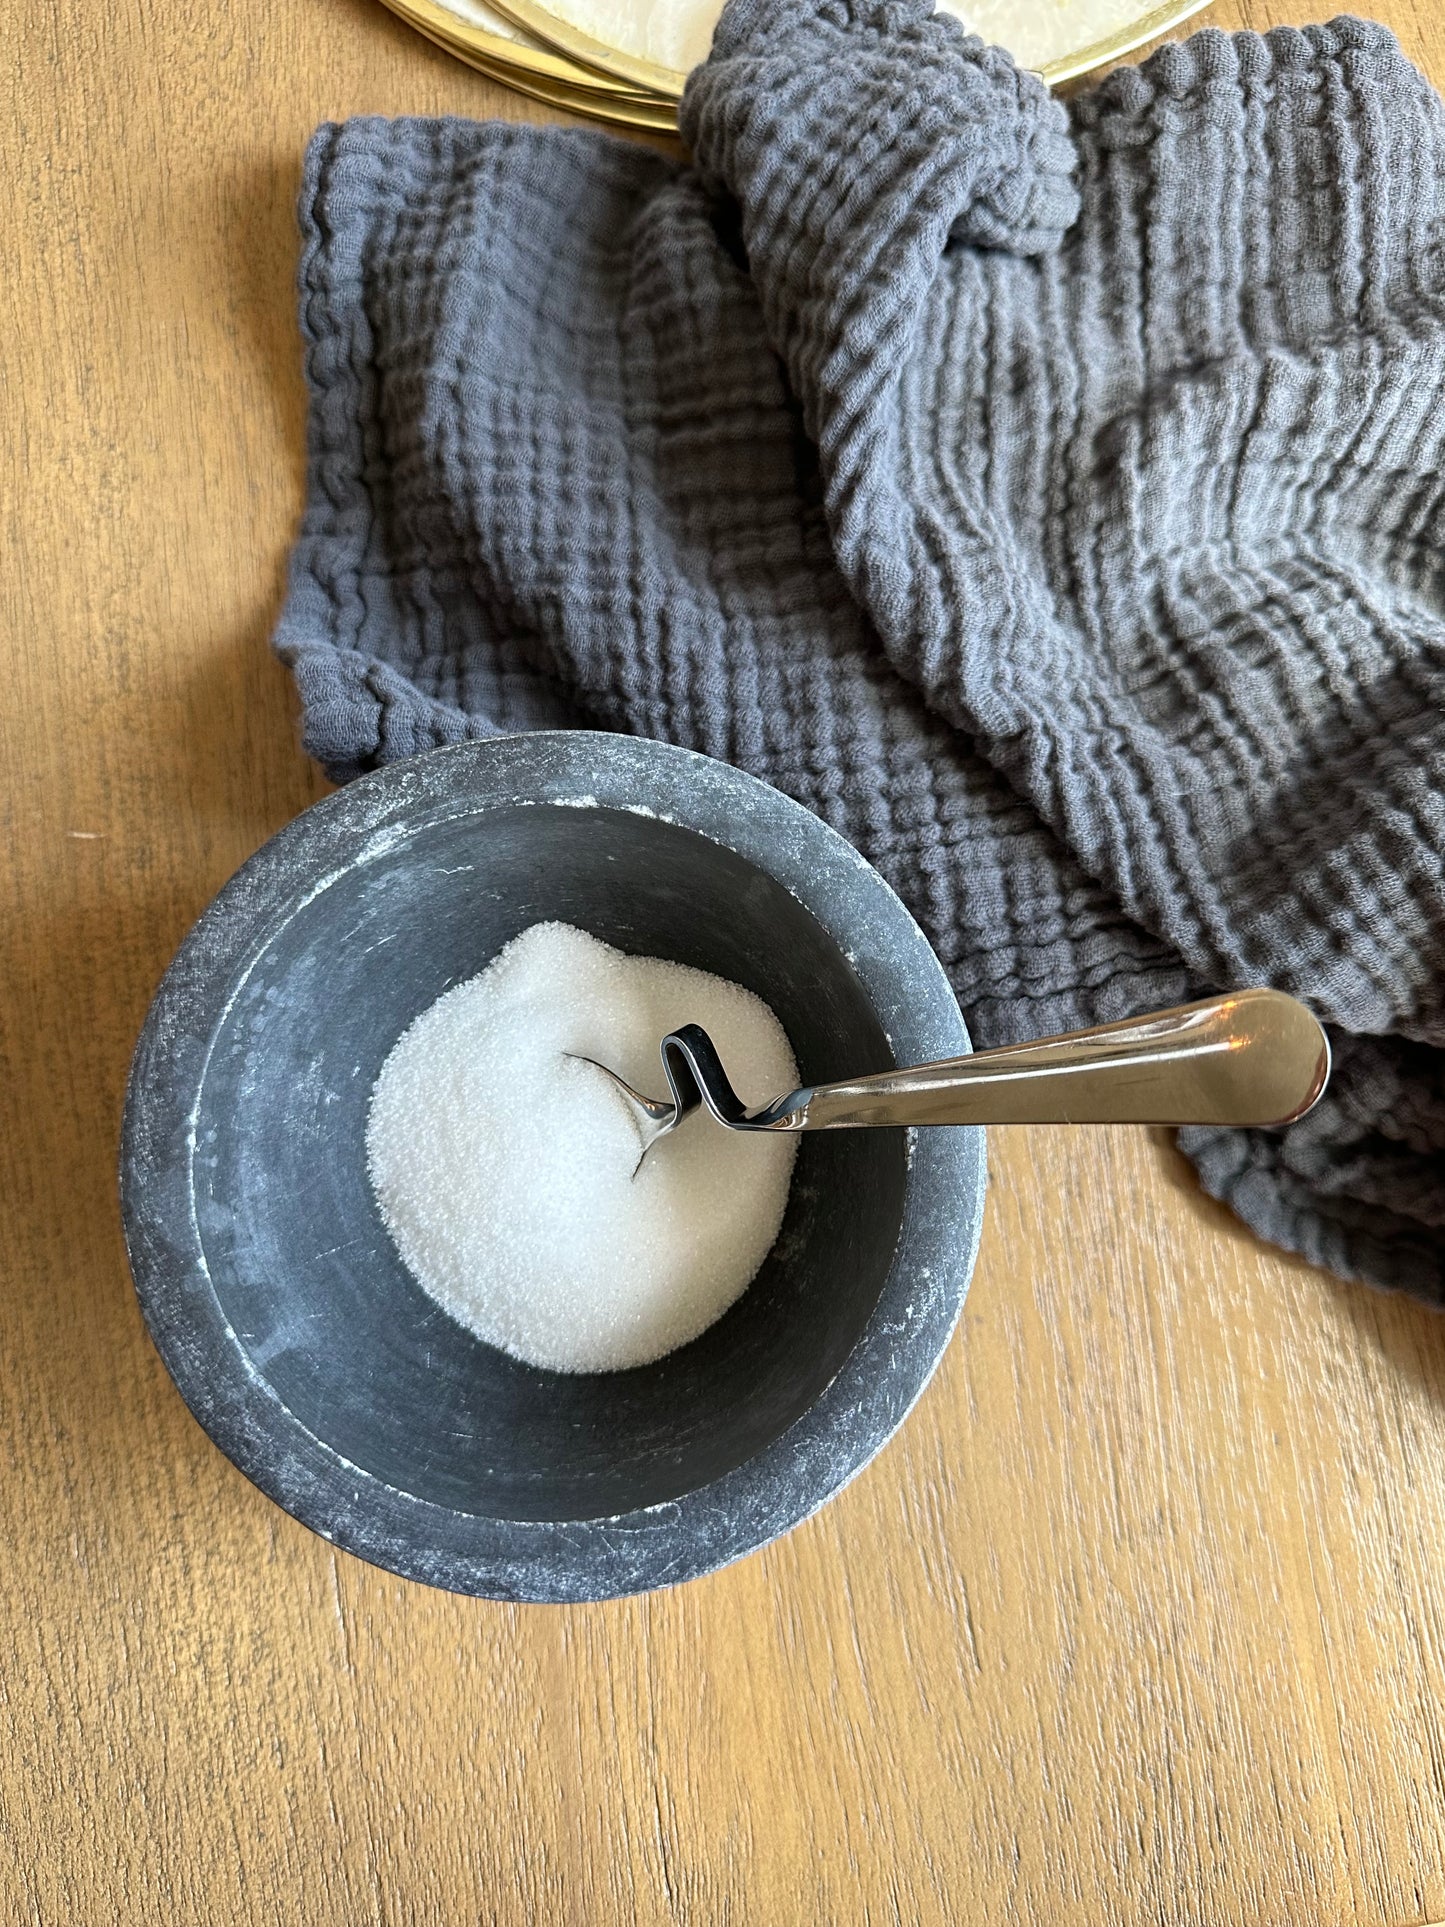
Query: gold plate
pixel 617 110
pixel 1144 23
pixel 520 60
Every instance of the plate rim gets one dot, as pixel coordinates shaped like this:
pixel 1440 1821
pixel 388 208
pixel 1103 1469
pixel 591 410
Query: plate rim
pixel 611 107
pixel 459 37
pixel 603 109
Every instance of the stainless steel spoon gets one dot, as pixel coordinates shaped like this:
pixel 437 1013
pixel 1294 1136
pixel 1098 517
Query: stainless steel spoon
pixel 1254 1057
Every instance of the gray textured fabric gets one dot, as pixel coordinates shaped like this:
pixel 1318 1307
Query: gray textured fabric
pixel 1051 498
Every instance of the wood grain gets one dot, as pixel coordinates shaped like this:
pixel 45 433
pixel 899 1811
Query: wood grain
pixel 1137 1622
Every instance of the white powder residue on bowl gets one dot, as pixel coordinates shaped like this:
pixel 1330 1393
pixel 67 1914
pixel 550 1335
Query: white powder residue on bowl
pixel 504 1167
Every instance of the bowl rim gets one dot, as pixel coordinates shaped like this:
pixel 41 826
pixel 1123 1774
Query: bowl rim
pixel 473 1553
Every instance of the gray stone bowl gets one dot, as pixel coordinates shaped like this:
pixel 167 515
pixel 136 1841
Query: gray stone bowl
pixel 272 1289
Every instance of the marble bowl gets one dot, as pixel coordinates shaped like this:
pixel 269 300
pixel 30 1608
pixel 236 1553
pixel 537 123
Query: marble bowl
pixel 277 1300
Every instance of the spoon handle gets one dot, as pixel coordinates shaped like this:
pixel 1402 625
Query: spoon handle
pixel 1254 1057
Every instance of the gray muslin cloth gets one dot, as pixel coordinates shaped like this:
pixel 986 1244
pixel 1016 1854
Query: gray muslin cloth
pixel 1050 496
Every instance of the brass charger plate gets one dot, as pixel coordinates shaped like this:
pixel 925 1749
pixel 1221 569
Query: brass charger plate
pixel 1059 39
pixel 614 111
pixel 485 39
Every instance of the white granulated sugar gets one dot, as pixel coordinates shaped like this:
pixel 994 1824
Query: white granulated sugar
pixel 504 1167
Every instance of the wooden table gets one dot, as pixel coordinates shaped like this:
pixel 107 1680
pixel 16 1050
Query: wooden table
pixel 1138 1621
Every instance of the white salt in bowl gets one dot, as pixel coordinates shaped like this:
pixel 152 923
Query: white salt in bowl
pixel 278 1302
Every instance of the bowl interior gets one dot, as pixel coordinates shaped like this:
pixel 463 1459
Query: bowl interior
pixel 304 1269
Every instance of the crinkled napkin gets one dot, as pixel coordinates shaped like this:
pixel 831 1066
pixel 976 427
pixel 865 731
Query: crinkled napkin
pixel 1051 496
